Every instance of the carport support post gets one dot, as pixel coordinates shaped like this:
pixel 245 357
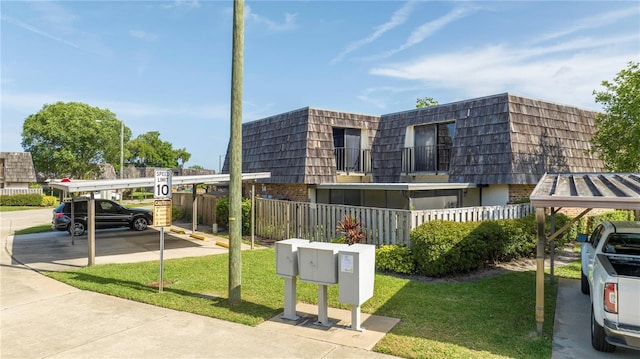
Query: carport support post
pixel 253 213
pixel 72 225
pixel 540 270
pixel 552 244
pixel 194 208
pixel 91 241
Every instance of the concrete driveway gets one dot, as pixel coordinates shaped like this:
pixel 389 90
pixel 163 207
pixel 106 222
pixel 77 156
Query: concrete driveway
pixel 572 326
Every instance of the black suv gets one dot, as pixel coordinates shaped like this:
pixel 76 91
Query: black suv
pixel 108 214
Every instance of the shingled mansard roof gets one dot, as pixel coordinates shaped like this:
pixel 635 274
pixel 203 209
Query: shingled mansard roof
pixel 18 167
pixel 297 146
pixel 499 139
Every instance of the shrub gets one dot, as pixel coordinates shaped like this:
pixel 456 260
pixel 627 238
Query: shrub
pixel 395 259
pixel 176 213
pixel 443 248
pixel 48 201
pixel 222 214
pixel 140 195
pixel 588 224
pixel 21 200
pixel 529 224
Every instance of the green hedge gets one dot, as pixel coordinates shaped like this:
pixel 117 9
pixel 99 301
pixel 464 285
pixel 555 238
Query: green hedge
pixel 588 224
pixel 36 200
pixel 443 248
pixel 222 214
pixel 395 259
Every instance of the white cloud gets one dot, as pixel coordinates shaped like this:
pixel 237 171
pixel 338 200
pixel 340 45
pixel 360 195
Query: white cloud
pixel 569 78
pixel 37 31
pixel 188 4
pixel 565 71
pixel 592 22
pixel 398 18
pixel 288 24
pixel 30 103
pixel 427 29
pixel 55 15
pixel 143 35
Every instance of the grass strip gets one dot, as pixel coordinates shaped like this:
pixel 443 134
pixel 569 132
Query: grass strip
pixel 488 318
pixel 35 229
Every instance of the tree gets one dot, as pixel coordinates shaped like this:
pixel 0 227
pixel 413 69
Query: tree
pixel 426 102
pixel 148 150
pixel 72 139
pixel 617 134
pixel 182 156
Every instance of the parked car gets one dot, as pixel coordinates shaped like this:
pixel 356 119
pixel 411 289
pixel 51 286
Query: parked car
pixel 611 275
pixel 108 214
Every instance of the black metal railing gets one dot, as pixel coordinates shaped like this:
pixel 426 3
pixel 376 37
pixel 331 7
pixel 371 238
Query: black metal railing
pixel 353 160
pixel 426 159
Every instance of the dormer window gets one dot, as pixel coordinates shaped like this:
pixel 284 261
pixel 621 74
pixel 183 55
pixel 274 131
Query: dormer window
pixel 351 150
pixel 428 148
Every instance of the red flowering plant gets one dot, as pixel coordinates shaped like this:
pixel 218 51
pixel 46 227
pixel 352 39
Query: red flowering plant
pixel 351 228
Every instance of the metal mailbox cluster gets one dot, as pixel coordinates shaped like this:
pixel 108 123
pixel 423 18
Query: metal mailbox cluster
pixel 351 267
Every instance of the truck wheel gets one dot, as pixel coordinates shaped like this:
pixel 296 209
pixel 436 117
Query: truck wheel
pixel 598 337
pixel 584 283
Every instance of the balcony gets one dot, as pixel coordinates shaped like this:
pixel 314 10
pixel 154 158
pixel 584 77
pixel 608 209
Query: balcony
pixel 426 159
pixel 353 160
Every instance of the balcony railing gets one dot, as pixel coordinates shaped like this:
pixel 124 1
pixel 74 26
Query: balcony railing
pixel 432 159
pixel 353 160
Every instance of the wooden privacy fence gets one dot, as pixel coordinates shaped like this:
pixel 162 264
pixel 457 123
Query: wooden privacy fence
pixel 278 220
pixel 206 206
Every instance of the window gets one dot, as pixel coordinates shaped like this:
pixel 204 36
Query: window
pixel 431 148
pixel 346 144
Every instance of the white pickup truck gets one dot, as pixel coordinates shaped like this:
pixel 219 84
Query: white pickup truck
pixel 611 274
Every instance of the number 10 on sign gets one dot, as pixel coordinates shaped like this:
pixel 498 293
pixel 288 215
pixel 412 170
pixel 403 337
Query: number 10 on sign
pixel 162 187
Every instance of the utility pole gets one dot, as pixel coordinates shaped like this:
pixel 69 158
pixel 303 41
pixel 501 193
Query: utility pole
pixel 235 168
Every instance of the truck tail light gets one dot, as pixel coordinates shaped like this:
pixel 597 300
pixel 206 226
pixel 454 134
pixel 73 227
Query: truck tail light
pixel 611 297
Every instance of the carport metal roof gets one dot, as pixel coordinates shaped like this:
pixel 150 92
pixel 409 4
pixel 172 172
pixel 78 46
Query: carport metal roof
pixel 102 185
pixel 588 190
pixel 577 190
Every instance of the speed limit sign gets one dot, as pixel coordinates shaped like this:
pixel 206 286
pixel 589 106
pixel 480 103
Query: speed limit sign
pixel 162 187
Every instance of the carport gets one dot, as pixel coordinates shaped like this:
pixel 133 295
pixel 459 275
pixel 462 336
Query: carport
pixel 576 190
pixel 145 182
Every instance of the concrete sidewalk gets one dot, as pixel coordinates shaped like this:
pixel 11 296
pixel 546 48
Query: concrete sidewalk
pixel 43 318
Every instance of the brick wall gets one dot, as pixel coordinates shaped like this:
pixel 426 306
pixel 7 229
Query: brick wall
pixel 520 191
pixel 290 191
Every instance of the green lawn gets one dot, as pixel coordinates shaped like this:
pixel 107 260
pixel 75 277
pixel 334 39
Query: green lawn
pixel 488 318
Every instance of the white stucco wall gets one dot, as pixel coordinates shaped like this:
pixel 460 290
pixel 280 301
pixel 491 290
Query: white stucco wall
pixel 495 195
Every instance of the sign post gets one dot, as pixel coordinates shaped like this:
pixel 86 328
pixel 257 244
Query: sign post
pixel 162 211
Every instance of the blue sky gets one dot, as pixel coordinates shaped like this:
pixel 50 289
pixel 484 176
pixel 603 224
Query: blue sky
pixel 166 65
